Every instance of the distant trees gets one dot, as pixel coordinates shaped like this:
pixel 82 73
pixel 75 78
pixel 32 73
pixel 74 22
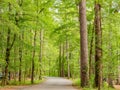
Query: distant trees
pixel 19 52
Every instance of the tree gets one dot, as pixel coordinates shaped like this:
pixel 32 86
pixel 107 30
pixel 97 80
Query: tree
pixel 8 49
pixel 98 46
pixel 83 44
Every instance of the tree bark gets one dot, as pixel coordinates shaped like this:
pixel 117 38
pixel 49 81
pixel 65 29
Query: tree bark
pixel 83 44
pixel 33 57
pixel 40 55
pixel 98 47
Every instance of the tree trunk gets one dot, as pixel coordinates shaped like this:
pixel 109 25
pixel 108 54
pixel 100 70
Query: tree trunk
pixel 20 45
pixel 21 38
pixel 40 55
pixel 83 44
pixel 33 57
pixel 98 47
pixel 7 58
pixel 20 59
pixel 60 61
pixel 118 78
pixel 26 67
pixel 15 70
pixel 67 58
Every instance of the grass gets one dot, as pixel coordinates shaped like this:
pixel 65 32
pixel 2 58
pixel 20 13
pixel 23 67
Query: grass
pixel 76 83
pixel 27 82
pixel 13 83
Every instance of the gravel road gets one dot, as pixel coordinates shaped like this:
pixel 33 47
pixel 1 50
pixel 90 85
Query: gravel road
pixel 52 83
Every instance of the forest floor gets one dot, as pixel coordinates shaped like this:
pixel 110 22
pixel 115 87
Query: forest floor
pixel 117 87
pixel 52 83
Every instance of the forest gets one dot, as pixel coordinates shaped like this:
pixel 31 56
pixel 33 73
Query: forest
pixel 74 39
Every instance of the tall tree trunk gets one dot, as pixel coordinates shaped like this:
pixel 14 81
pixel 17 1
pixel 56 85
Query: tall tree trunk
pixel 83 44
pixel 20 39
pixel 98 47
pixel 15 70
pixel 40 55
pixel 9 75
pixel 67 58
pixel 7 58
pixel 62 61
pixel 118 58
pixel 8 49
pixel 20 59
pixel 25 68
pixel 49 62
pixel 33 57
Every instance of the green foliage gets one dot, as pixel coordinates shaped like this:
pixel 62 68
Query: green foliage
pixel 76 82
pixel 58 19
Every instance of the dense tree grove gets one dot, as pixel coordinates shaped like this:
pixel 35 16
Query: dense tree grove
pixel 63 38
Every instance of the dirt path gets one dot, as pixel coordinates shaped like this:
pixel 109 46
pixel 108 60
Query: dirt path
pixel 117 87
pixel 52 84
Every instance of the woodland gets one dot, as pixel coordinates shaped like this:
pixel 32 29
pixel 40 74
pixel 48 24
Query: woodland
pixel 76 39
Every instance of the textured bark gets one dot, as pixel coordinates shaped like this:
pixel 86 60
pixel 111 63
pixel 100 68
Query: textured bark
pixel 33 56
pixel 41 54
pixel 98 47
pixel 83 44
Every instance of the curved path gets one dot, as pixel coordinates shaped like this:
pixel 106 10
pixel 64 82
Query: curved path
pixel 52 83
